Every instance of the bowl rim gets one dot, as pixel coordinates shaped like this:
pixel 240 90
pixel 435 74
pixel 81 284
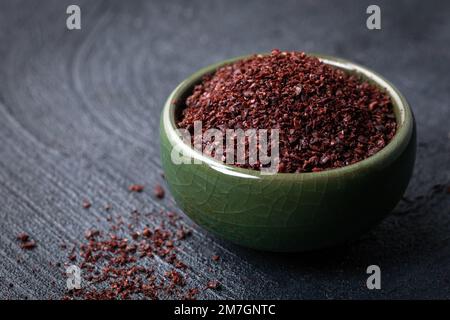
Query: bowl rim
pixel 402 110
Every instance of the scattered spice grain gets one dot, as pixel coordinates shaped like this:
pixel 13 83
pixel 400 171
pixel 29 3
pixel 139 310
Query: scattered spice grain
pixel 117 264
pixel 28 245
pixel 23 237
pixel 213 284
pixel 86 204
pixel 25 242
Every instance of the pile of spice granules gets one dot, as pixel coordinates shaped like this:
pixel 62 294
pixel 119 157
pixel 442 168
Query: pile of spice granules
pixel 133 259
pixel 326 118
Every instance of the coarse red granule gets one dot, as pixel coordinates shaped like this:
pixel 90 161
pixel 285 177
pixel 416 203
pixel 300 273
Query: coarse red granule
pixel 25 242
pixel 215 258
pixel 326 117
pixel 136 188
pixel 86 204
pixel 28 245
pixel 159 191
pixel 213 284
pixel 126 262
pixel 191 294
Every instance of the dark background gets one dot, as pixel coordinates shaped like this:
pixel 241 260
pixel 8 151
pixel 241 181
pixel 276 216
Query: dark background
pixel 79 113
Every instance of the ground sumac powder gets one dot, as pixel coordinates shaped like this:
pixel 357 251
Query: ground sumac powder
pixel 326 117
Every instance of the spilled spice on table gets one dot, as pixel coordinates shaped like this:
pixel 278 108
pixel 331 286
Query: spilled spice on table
pixel 117 264
pixel 326 117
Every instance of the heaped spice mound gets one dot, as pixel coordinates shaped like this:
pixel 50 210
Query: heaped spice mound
pixel 326 117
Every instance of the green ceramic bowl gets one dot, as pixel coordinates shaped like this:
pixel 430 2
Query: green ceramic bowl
pixel 289 211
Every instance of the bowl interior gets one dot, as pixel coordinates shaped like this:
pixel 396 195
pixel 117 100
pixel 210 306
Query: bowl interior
pixel 176 102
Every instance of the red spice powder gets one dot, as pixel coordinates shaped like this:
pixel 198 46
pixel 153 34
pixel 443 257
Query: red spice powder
pixel 118 264
pixel 326 117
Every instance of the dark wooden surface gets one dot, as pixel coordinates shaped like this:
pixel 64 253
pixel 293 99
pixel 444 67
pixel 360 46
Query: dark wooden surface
pixel 79 114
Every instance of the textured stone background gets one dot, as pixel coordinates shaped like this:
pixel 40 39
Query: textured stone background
pixel 79 115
